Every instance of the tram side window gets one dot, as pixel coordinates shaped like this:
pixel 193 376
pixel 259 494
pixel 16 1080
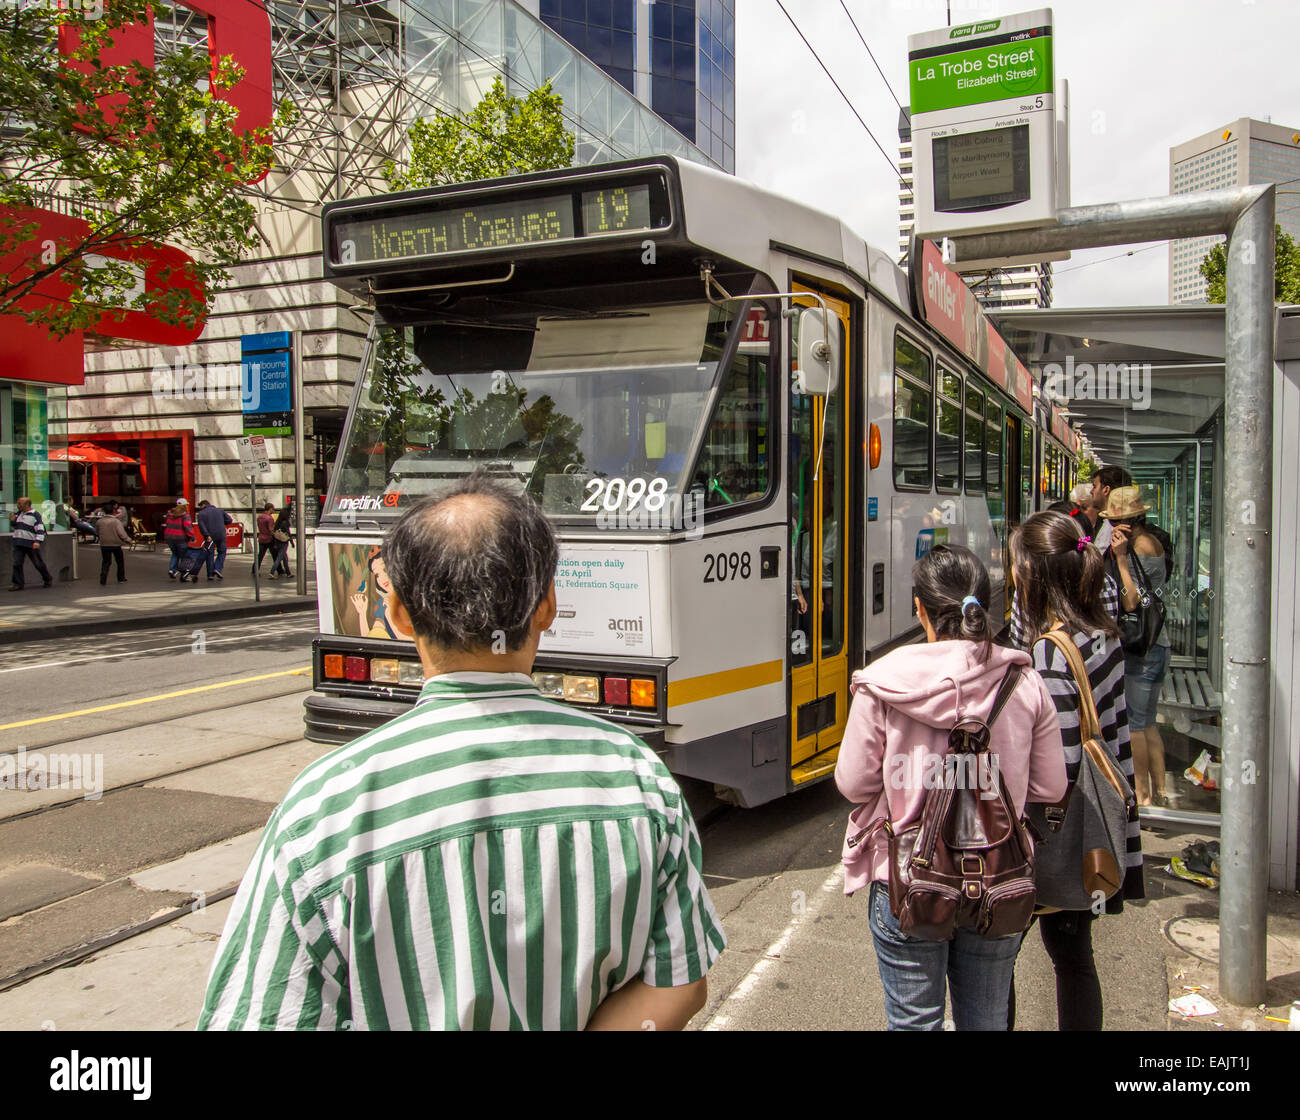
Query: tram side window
pixel 1026 468
pixel 912 389
pixel 733 465
pixel 947 434
pixel 993 448
pixel 974 441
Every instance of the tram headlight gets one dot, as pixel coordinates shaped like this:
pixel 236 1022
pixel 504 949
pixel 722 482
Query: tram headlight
pixel 550 684
pixel 642 692
pixel 383 670
pixel 582 690
pixel 410 672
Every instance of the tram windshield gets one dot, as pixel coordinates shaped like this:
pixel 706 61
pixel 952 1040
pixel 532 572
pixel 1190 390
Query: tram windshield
pixel 590 414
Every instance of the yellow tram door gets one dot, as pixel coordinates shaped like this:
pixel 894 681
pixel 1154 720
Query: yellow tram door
pixel 819 664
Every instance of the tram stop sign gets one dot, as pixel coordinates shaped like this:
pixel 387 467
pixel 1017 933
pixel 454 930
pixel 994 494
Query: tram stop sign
pixel 253 457
pixel 989 127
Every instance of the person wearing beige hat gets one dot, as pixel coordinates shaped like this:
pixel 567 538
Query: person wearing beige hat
pixel 1132 542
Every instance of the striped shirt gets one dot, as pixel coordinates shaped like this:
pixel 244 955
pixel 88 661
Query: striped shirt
pixel 490 860
pixel 1019 632
pixel 1104 659
pixel 27 528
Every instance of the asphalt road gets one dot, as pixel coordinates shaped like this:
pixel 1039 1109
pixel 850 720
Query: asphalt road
pixel 188 766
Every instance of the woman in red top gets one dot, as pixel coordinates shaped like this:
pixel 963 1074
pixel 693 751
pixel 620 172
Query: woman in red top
pixel 176 533
pixel 266 536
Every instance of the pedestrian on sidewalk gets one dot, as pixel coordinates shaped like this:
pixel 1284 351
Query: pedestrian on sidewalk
pixel 213 521
pixel 1062 576
pixel 282 532
pixel 112 539
pixel 198 554
pixel 493 859
pixel 905 706
pixel 266 536
pixel 28 535
pixel 177 528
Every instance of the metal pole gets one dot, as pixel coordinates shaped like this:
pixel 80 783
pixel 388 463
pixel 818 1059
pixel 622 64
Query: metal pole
pixel 1248 517
pixel 299 482
pixel 252 500
pixel 1246 215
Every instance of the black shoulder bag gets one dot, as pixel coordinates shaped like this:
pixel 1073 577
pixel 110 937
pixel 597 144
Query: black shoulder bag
pixel 1140 627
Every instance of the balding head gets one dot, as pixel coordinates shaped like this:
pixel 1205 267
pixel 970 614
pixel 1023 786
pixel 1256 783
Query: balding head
pixel 471 565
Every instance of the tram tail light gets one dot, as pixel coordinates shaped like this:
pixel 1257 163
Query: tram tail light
pixel 383 670
pixel 356 668
pixel 642 693
pixel 334 666
pixel 582 690
pixel 616 690
pixel 874 447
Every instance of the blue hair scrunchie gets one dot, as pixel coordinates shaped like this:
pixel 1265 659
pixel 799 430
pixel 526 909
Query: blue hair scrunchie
pixel 970 599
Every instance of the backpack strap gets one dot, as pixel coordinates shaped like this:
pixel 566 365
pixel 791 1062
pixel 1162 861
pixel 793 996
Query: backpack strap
pixel 1005 690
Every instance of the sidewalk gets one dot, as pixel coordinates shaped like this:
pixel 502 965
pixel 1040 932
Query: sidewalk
pixel 148 599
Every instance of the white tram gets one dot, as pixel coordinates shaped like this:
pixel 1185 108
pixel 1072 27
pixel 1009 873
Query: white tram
pixel 744 422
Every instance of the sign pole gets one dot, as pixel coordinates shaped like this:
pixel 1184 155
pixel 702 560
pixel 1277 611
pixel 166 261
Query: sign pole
pixel 299 447
pixel 252 500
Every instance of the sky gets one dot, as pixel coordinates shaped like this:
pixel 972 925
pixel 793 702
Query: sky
pixel 1144 75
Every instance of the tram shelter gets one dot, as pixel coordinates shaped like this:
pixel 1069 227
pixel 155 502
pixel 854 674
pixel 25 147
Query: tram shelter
pixel 1146 386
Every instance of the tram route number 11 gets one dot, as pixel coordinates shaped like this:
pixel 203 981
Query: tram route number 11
pixel 722 567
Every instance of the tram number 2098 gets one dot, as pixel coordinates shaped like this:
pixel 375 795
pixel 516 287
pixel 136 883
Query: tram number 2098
pixel 722 567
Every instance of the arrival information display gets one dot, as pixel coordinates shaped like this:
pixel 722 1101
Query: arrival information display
pixel 436 231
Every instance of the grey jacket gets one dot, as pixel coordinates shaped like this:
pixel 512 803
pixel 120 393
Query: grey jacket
pixel 111 533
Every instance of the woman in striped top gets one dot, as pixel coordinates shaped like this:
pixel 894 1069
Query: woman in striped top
pixel 1060 577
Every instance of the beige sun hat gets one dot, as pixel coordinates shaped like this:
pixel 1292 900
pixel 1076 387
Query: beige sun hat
pixel 1124 502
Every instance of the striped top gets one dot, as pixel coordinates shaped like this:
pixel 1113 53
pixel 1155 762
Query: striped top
pixel 27 528
pixel 1019 632
pixel 1104 659
pixel 490 860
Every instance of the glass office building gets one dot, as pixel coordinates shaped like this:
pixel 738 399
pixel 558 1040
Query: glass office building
pixel 1244 153
pixel 676 56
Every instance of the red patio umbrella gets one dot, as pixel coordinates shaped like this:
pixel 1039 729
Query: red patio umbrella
pixel 90 453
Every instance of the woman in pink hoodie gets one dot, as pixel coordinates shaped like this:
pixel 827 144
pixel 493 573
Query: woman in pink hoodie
pixel 904 706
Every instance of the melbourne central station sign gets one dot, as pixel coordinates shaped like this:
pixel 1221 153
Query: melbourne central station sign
pixel 988 126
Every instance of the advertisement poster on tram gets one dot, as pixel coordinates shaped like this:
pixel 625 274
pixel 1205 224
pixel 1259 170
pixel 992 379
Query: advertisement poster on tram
pixel 358 584
pixel 603 603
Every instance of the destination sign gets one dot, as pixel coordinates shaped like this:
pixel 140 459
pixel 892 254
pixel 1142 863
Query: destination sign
pixel 436 231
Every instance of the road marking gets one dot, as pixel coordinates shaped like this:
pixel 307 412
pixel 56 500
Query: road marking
pixel 154 699
pixel 130 653
pixel 773 952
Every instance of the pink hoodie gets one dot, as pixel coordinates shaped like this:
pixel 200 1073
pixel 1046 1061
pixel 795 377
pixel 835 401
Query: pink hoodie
pixel 904 705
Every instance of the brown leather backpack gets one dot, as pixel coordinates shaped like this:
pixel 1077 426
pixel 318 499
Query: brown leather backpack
pixel 969 863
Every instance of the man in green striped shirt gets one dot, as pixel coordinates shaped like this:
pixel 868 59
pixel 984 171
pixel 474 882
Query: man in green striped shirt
pixel 490 860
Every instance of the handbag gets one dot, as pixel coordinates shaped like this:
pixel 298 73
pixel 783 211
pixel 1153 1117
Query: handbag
pixel 1083 838
pixel 280 535
pixel 1140 627
pixel 969 863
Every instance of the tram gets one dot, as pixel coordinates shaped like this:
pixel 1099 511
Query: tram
pixel 745 423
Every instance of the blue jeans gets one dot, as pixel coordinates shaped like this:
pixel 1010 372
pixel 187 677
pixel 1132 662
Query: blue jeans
pixel 915 973
pixel 178 554
pixel 216 556
pixel 1143 677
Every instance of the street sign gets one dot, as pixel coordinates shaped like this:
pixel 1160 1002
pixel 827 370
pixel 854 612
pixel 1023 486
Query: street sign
pixel 267 392
pixel 253 456
pixel 987 144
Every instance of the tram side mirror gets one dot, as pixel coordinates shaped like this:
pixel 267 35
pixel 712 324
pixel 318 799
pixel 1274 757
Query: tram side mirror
pixel 819 356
